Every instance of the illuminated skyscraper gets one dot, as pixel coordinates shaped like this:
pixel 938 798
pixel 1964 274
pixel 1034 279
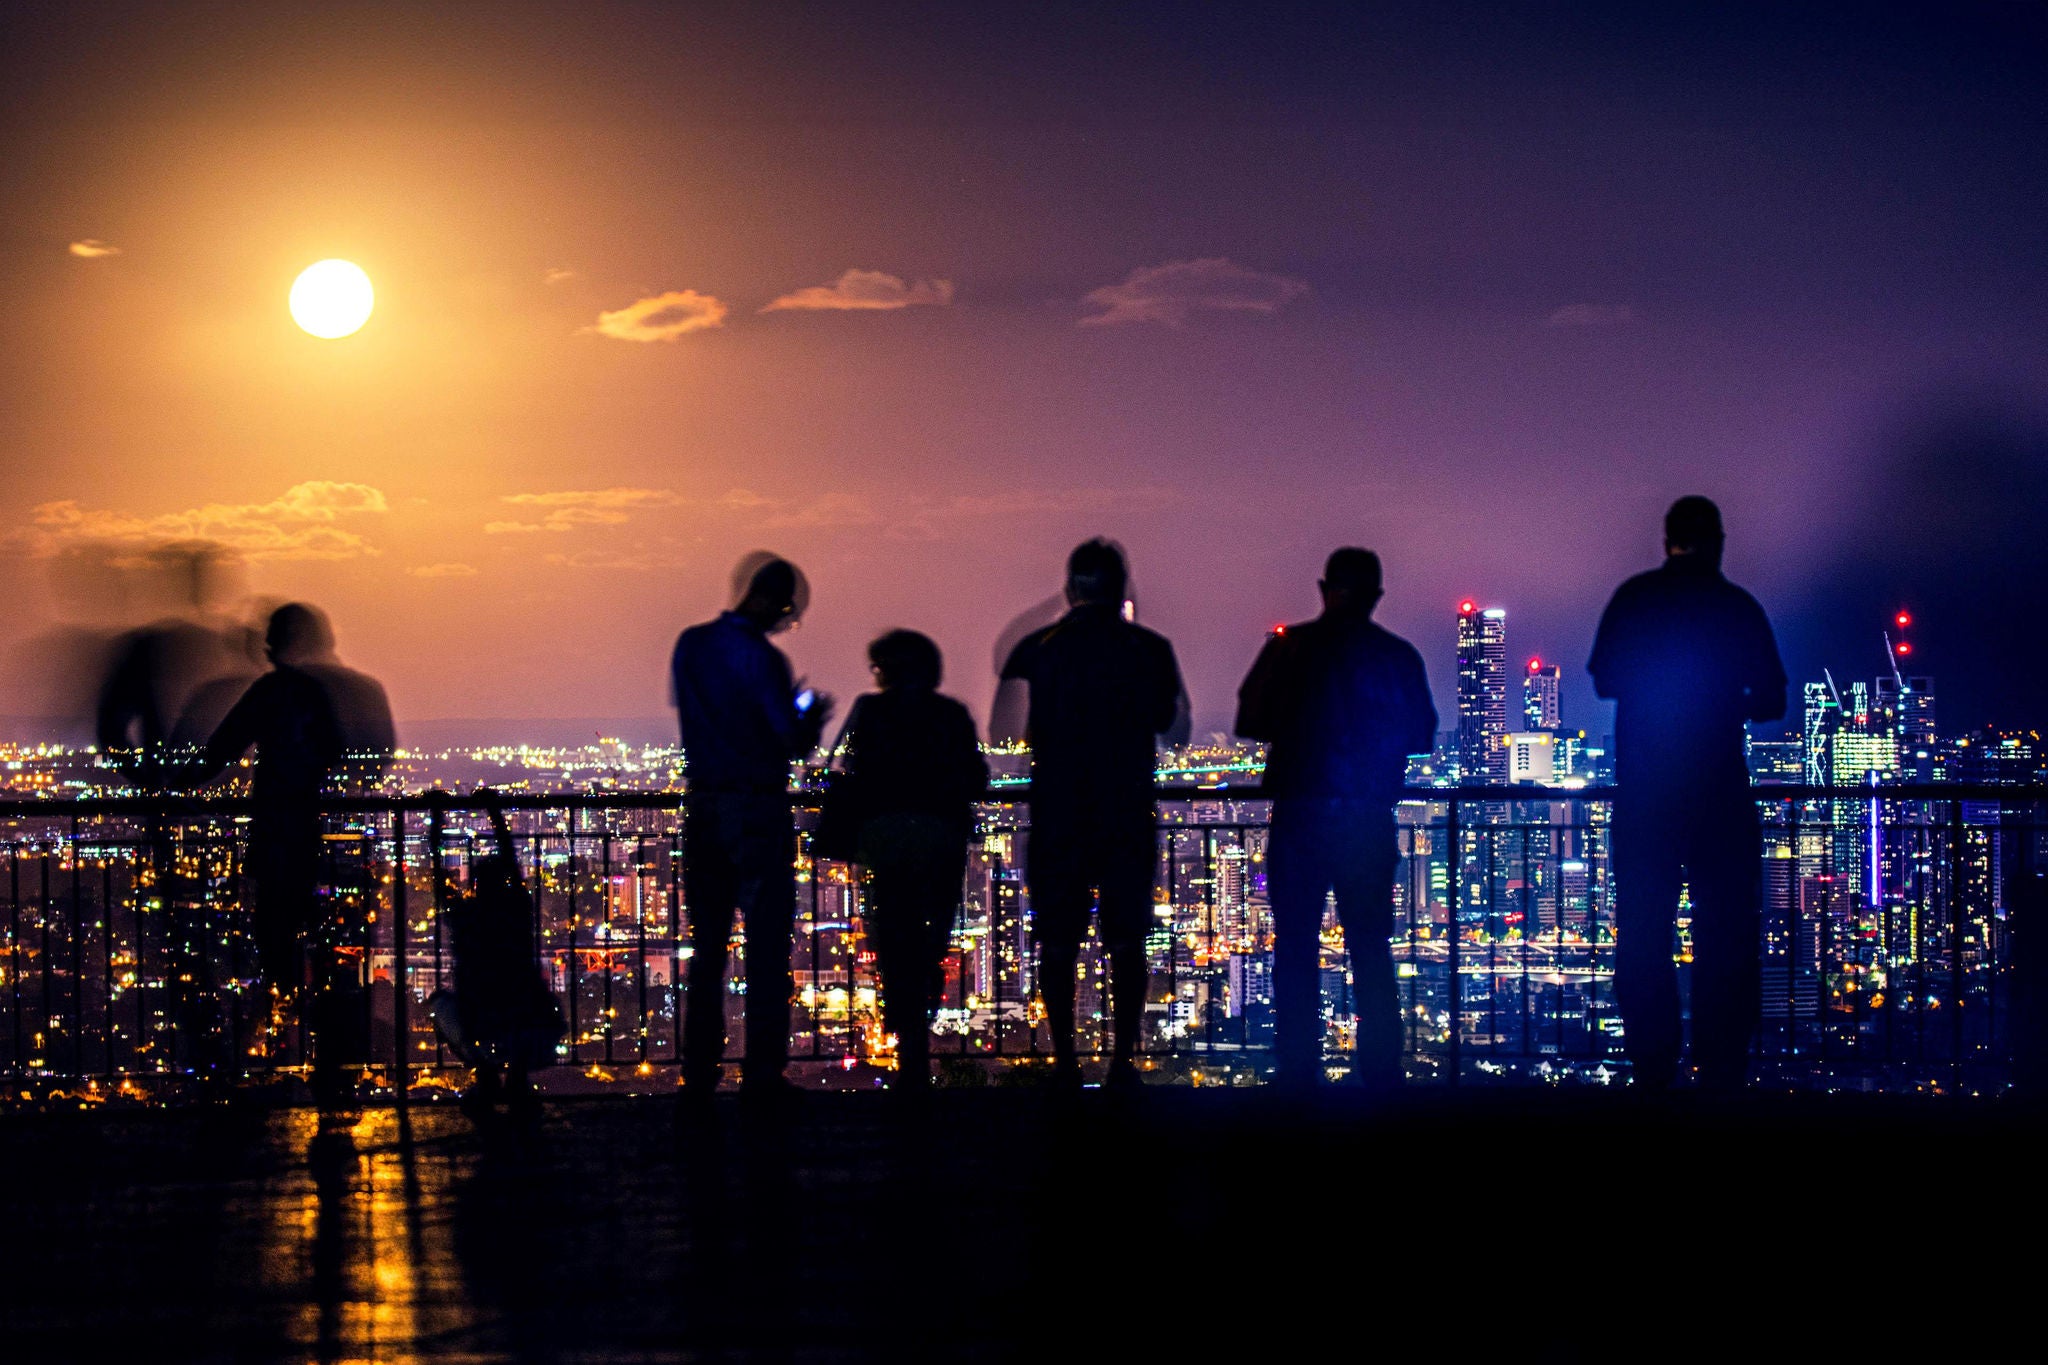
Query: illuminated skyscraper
pixel 1905 709
pixel 1482 694
pixel 1823 720
pixel 1540 686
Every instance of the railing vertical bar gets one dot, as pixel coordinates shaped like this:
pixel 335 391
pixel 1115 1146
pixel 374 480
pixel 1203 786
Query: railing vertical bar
pixel 640 867
pixel 1955 944
pixel 575 949
pixel 107 954
pixel 604 956
pixel 676 939
pixel 1455 894
pixel 43 1024
pixel 20 1057
pixel 401 1021
pixel 1530 915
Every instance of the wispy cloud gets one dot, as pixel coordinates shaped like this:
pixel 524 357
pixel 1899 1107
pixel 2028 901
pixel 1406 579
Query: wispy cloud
pixel 304 522
pixel 931 518
pixel 91 248
pixel 828 510
pixel 663 317
pixel 616 561
pixel 1169 293
pixel 568 509
pixel 1591 315
pixel 866 291
pixel 556 274
pixel 442 571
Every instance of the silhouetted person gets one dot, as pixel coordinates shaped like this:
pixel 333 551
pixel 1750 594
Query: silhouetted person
pixel 742 721
pixel 1687 657
pixel 1341 704
pixel 913 770
pixel 501 1020
pixel 289 717
pixel 1100 691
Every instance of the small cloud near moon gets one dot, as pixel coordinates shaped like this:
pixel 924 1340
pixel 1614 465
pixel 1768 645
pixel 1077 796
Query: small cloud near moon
pixel 92 248
pixel 661 317
pixel 866 291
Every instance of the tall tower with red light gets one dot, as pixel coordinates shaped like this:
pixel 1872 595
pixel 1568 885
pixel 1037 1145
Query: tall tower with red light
pixel 1905 702
pixel 1542 686
pixel 1482 694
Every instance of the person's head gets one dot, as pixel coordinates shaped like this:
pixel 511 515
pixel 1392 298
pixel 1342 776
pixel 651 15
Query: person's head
pixel 1351 580
pixel 1096 575
pixel 1693 527
pixel 774 594
pixel 298 634
pixel 904 658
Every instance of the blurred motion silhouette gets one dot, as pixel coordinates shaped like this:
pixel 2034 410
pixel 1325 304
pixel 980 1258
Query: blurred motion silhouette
pixel 743 719
pixel 1688 658
pixel 148 677
pixel 301 717
pixel 911 770
pixel 1097 693
pixel 1341 702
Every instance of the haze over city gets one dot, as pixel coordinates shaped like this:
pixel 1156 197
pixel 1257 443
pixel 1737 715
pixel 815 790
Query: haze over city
pixel 921 296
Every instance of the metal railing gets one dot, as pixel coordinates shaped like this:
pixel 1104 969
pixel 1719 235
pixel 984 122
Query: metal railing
pixel 130 964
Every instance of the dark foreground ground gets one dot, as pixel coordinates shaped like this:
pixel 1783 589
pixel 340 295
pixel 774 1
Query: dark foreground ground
pixel 1012 1224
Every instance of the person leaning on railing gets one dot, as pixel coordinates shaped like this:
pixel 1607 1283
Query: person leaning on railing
pixel 292 718
pixel 1688 658
pixel 1341 703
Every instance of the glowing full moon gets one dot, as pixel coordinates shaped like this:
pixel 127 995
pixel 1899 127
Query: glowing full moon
pixel 332 298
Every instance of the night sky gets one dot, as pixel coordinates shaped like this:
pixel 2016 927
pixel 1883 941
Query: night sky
pixel 922 295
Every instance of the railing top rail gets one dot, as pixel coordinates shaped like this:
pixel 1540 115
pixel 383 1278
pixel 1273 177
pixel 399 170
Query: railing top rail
pixel 192 807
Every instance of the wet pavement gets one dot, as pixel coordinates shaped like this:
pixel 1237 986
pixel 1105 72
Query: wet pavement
pixel 1002 1224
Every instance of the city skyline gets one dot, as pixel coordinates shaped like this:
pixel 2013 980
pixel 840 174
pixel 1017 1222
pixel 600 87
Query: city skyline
pixel 1482 293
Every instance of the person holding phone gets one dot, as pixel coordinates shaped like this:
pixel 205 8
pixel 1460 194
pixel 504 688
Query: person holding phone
pixel 743 720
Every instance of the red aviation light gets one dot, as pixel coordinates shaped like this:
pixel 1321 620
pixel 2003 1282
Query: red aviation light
pixel 1467 607
pixel 1535 665
pixel 1904 618
pixel 1280 629
pixel 1904 649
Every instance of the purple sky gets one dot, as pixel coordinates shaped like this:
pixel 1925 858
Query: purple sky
pixel 1484 292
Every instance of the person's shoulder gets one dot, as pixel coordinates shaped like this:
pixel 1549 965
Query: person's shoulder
pixel 1742 597
pixel 1150 638
pixel 1026 651
pixel 953 712
pixel 692 635
pixel 1397 645
pixel 1638 589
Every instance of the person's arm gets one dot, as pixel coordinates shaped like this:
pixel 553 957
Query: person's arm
pixel 1606 665
pixel 1009 715
pixel 1257 712
pixel 969 765
pixel 1418 708
pixel 234 735
pixel 1171 711
pixel 841 754
pixel 1764 683
pixel 771 687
